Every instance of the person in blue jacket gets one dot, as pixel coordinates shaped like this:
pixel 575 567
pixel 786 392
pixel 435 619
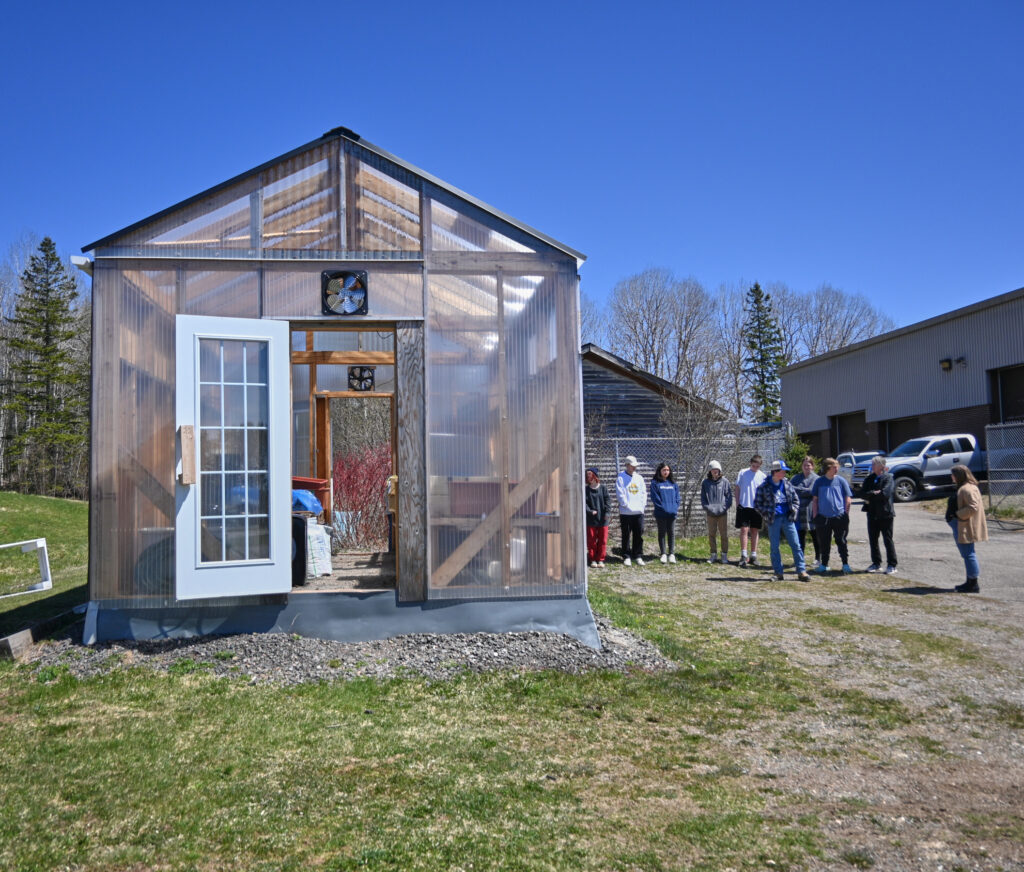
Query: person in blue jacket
pixel 665 498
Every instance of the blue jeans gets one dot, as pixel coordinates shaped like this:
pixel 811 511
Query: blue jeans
pixel 971 564
pixel 783 526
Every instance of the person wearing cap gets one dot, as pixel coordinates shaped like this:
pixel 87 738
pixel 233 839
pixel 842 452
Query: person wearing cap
pixel 716 499
pixel 748 521
pixel 831 497
pixel 632 495
pixel 597 501
pixel 778 503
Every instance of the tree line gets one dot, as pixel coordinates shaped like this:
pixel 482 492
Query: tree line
pixel 726 346
pixel 45 339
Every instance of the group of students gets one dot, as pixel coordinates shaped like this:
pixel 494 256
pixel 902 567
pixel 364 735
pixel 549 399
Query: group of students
pixel 805 506
pixel 632 493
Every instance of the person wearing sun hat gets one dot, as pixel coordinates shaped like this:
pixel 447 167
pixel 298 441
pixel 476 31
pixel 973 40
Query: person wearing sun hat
pixel 778 504
pixel 632 495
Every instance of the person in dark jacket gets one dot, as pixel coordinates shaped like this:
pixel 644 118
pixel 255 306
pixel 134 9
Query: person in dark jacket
pixel 877 490
pixel 778 504
pixel 803 481
pixel 665 499
pixel 597 501
pixel 715 499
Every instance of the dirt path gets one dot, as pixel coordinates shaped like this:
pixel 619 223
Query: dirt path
pixel 930 774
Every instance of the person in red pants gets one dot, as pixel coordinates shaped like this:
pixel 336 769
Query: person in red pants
pixel 596 495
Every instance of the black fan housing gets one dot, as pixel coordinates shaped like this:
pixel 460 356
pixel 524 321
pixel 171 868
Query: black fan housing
pixel 361 378
pixel 343 292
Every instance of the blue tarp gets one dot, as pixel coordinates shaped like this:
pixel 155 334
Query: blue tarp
pixel 305 501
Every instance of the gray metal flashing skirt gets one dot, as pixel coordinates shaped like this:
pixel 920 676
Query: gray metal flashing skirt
pixel 345 617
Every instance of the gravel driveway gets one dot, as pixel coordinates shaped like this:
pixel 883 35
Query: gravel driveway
pixel 928 555
pixel 941 787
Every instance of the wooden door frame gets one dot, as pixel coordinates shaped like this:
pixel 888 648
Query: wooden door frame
pixel 408 441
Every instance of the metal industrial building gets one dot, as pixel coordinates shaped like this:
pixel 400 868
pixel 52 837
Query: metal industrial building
pixel 956 372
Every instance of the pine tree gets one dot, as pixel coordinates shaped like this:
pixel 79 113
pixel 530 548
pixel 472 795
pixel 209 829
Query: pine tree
pixel 763 354
pixel 48 388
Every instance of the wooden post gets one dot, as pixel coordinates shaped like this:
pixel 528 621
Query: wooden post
pixel 410 398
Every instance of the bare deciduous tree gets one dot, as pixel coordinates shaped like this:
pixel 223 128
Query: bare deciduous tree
pixel 826 319
pixel 592 324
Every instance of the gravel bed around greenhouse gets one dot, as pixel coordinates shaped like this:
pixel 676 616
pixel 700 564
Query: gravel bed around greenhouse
pixel 287 659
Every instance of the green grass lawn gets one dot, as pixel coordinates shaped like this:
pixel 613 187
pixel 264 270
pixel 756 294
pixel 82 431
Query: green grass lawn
pixel 133 770
pixel 501 771
pixel 65 526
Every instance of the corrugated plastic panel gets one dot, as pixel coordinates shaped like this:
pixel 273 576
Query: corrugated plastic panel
pixel 301 204
pixel 226 292
pixel 293 290
pixel 133 501
pixel 503 399
pixel 454 228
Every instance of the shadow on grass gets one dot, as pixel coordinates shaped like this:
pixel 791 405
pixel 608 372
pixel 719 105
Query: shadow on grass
pixel 38 610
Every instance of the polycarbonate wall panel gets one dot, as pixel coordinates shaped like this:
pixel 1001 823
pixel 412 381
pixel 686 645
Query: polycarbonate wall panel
pixel 223 292
pixel 352 340
pixel 463 432
pixel 458 226
pixel 543 414
pixel 382 205
pixel 501 402
pixel 133 498
pixel 301 203
pixel 219 223
pixel 293 290
pixel 301 435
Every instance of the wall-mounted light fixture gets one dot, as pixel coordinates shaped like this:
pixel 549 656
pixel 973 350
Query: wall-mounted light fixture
pixel 946 364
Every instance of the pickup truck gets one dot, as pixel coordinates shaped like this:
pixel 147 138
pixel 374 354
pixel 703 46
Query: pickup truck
pixel 924 463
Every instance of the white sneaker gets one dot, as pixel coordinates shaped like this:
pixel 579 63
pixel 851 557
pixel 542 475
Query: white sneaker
pixel 627 562
pixel 874 567
pixel 890 570
pixel 712 559
pixel 639 561
pixel 663 558
pixel 671 558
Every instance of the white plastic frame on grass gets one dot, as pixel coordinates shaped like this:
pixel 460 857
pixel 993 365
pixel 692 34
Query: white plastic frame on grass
pixel 39 546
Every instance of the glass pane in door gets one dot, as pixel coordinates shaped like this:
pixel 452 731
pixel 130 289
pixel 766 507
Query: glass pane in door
pixel 234 493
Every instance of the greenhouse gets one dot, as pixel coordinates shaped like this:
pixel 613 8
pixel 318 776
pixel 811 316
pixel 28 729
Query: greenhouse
pixel 243 341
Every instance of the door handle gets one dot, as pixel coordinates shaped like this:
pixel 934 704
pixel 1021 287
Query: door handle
pixel 188 454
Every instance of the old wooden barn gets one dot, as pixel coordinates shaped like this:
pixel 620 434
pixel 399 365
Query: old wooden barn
pixel 227 328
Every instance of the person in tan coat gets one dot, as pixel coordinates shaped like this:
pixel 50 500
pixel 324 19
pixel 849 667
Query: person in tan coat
pixel 966 516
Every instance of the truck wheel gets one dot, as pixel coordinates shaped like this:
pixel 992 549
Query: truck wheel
pixel 905 489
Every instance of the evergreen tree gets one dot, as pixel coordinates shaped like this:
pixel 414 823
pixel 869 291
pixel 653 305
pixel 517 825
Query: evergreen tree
pixel 48 383
pixel 763 354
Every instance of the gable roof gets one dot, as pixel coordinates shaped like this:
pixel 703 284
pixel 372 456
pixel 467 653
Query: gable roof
pixel 343 133
pixel 608 360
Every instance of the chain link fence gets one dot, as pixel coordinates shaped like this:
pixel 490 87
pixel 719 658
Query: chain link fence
pixel 1005 457
pixel 688 458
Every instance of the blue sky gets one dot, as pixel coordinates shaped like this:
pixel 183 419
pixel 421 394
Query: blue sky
pixel 875 146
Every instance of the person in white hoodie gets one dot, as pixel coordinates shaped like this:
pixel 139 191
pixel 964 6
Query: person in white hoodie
pixel 632 494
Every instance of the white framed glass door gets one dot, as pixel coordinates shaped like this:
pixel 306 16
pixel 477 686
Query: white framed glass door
pixel 233 528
